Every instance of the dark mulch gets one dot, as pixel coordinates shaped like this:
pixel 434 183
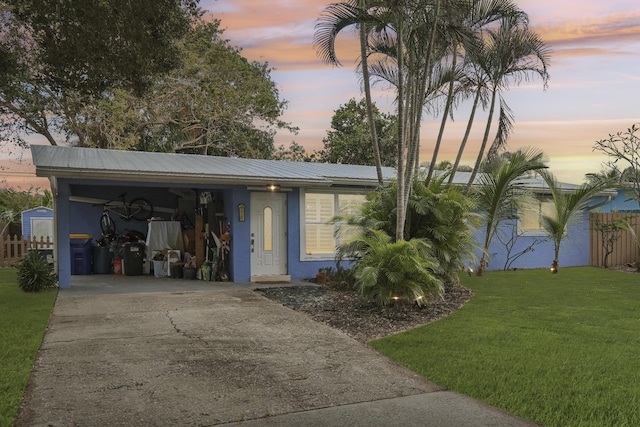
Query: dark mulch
pixel 345 311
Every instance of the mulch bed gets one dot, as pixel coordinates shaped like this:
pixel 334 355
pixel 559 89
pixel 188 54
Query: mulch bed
pixel 345 311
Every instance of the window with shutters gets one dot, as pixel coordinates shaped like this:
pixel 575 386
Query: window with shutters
pixel 318 235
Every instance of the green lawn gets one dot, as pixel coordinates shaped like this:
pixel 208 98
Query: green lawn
pixel 23 320
pixel 560 350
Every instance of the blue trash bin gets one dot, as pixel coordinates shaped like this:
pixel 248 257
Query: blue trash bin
pixel 80 253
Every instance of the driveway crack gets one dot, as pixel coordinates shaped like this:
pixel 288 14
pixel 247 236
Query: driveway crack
pixel 182 332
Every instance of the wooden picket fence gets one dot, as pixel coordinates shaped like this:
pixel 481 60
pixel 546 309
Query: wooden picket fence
pixel 625 249
pixel 14 248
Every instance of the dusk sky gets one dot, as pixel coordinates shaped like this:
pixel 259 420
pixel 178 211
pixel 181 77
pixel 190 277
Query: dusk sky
pixel 593 89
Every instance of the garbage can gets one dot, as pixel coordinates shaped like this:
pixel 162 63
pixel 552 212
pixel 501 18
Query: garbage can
pixel 80 253
pixel 133 256
pixel 101 260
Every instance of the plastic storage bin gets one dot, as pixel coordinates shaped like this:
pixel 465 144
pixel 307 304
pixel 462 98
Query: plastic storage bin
pixel 133 258
pixel 101 260
pixel 80 253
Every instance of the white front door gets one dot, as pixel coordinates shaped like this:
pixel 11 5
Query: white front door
pixel 268 234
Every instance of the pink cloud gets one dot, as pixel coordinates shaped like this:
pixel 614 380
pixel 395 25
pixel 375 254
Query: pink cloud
pixel 612 29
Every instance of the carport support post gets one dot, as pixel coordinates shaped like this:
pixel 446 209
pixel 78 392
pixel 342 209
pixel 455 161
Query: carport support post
pixel 240 255
pixel 62 223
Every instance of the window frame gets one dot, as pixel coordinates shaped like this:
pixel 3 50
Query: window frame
pixel 539 200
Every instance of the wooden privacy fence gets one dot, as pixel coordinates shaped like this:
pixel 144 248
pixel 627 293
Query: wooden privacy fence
pixel 13 249
pixel 625 250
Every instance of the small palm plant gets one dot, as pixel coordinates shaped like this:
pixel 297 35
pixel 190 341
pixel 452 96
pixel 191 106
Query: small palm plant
pixel 500 193
pixel 567 206
pixel 389 272
pixel 35 273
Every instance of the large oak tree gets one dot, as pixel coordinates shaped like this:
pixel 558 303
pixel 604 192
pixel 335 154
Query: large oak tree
pixel 60 55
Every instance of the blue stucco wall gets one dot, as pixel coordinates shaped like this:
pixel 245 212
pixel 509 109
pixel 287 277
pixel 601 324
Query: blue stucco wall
pixel 574 249
pixel 83 218
pixel 240 261
pixel 61 238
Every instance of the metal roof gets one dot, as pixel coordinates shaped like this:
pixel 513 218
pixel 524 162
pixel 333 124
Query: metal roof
pixel 118 165
pixel 140 166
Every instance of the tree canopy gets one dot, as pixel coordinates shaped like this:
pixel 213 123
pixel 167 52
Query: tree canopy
pixel 90 46
pixel 216 103
pixel 349 140
pixel 623 147
pixel 59 56
pixel 189 92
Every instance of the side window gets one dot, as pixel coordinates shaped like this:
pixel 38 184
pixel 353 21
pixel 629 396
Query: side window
pixel 531 215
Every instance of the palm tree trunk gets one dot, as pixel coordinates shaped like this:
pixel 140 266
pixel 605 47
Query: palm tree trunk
pixel 418 76
pixel 466 136
pixel 556 261
pixel 485 138
pixel 485 251
pixel 401 212
pixel 367 94
pixel 443 122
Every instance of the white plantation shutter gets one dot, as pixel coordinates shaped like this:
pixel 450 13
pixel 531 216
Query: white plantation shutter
pixel 319 209
pixel 320 236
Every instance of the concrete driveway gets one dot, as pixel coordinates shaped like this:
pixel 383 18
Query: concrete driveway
pixel 211 357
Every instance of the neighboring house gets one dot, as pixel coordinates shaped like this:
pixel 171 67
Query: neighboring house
pixel 277 211
pixel 38 223
pixel 623 202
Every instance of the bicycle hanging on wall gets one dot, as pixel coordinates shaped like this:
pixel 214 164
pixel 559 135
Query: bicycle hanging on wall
pixel 139 209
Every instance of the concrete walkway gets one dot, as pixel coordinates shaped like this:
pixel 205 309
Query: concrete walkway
pixel 167 352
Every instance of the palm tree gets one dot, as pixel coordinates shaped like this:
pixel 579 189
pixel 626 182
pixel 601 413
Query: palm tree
pixel 477 80
pixel 408 39
pixel 567 205
pixel 465 21
pixel 333 20
pixel 406 32
pixel 513 53
pixel 500 194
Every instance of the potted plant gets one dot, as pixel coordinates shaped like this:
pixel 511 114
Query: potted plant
pixel 322 274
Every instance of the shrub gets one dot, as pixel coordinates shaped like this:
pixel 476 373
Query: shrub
pixel 437 213
pixel 395 271
pixel 35 274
